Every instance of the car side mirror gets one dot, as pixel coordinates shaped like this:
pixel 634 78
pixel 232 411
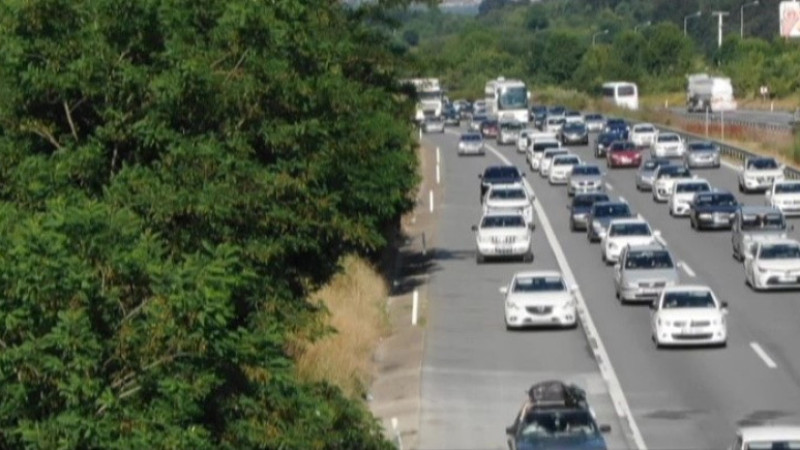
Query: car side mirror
pixel 657 233
pixel 504 290
pixel 617 266
pixel 724 305
pixel 510 430
pixel 574 288
pixel 480 175
pixel 654 305
pixel 605 428
pixel 474 228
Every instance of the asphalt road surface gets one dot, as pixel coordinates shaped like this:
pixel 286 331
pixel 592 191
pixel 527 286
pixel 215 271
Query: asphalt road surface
pixel 474 371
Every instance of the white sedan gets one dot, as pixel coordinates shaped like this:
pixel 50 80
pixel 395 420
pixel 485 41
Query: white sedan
pixel 689 315
pixel 539 298
pixel 561 167
pixel 683 192
pixel 624 232
pixel 643 134
pixel 669 145
pixel 785 195
pixel 773 264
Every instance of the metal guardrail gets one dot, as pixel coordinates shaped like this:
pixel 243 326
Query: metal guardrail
pixel 716 117
pixel 731 152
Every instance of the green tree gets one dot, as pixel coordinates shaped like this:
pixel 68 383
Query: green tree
pixel 176 178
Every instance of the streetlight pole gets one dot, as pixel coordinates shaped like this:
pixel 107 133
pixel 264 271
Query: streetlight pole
pixel 690 16
pixel 594 36
pixel 642 25
pixel 741 16
pixel 720 15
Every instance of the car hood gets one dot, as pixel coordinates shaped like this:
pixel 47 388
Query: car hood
pixel 586 178
pixel 565 443
pixel 690 314
pixel 540 298
pixel 625 153
pixel 730 209
pixel 779 264
pixel 561 168
pixel 763 173
pixel 507 204
pixel 643 275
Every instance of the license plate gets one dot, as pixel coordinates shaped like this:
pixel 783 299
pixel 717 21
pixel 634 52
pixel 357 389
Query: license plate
pixel 692 331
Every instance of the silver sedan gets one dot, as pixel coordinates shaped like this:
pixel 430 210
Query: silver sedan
pixel 701 154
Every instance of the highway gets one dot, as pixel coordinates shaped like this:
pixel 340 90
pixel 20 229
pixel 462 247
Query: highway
pixel 474 371
pixel 776 118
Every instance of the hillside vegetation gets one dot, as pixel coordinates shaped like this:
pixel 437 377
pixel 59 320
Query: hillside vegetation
pixel 176 178
pixel 550 43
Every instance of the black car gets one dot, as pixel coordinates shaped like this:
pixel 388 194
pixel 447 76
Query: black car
pixel 556 416
pixel 537 115
pixel 601 215
pixel 581 207
pixel 618 125
pixel 713 210
pixel 604 140
pixel 451 116
pixel 498 175
pixel 574 133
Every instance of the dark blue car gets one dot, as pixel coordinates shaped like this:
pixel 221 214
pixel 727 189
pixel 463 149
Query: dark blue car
pixel 604 140
pixel 619 126
pixel 556 417
pixel 713 210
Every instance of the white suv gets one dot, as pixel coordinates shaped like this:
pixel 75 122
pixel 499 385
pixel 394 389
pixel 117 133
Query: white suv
pixel 561 167
pixel 503 234
pixel 643 134
pixel 623 232
pixel 509 198
pixel 785 195
pixel 758 173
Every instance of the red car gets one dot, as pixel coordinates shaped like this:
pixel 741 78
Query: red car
pixel 490 128
pixel 623 154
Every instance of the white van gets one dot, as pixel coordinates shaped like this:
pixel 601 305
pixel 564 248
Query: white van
pixel 622 93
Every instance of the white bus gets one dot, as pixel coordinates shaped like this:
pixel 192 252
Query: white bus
pixel 508 101
pixel 621 93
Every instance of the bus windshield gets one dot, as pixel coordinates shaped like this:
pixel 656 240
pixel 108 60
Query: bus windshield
pixel 513 98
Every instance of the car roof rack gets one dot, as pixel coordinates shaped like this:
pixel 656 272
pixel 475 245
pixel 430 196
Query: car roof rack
pixel 555 393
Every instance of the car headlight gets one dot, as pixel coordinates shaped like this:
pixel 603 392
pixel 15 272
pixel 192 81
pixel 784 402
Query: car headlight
pixel 512 305
pixel 665 323
pixel 612 245
pixel 597 226
pixel 572 303
pixel 631 285
pixel 705 215
pixel 760 269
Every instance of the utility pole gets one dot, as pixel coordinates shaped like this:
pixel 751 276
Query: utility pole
pixel 720 15
pixel 741 16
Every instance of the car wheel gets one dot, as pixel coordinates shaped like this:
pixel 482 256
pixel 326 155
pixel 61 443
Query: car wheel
pixel 741 188
pixel 657 342
pixel 723 344
pixel 691 222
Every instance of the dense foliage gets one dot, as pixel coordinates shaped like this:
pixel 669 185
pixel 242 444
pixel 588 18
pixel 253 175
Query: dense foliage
pixel 550 42
pixel 175 177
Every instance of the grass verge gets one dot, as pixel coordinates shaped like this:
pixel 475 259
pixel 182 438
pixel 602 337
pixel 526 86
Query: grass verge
pixel 356 318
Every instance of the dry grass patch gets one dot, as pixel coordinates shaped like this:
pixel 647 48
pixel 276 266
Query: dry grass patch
pixel 355 300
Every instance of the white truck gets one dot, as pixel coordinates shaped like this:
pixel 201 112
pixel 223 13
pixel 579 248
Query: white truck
pixel 704 92
pixel 508 100
pixel 430 98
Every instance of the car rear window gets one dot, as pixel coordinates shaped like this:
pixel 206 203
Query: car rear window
pixel 629 229
pixel 668 138
pixel 692 187
pixel 585 201
pixel 586 170
pixel 612 210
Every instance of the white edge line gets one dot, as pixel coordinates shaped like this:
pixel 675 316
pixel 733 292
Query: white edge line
pixel 430 199
pixel 414 307
pixel 609 187
pixel 687 269
pixel 763 355
pixel 437 156
pixel 601 356
pixel 438 175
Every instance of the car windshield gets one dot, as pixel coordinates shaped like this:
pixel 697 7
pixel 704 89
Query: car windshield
pixel 674 172
pixel 513 98
pixel 507 194
pixel 629 229
pixel 762 221
pixel 669 138
pixel 787 188
pixel 645 129
pixel 542 146
pixel 772 445
pixel 505 172
pixel 651 164
pixel 780 251
pixel 593 117
pixel 644 260
pixel 538 284
pixel 586 170
pixel 586 201
pixel 471 138
pixel 623 147
pixel 515 221
pixel 688 299
pixel 566 161
pixel 701 146
pixel 692 187
pixel 716 199
pixel 762 164
pixel 511 126
pixel 556 425
pixel 574 128
pixel 478 118
pixel 612 210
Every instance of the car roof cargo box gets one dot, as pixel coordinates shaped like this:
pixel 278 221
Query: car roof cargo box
pixel 556 393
